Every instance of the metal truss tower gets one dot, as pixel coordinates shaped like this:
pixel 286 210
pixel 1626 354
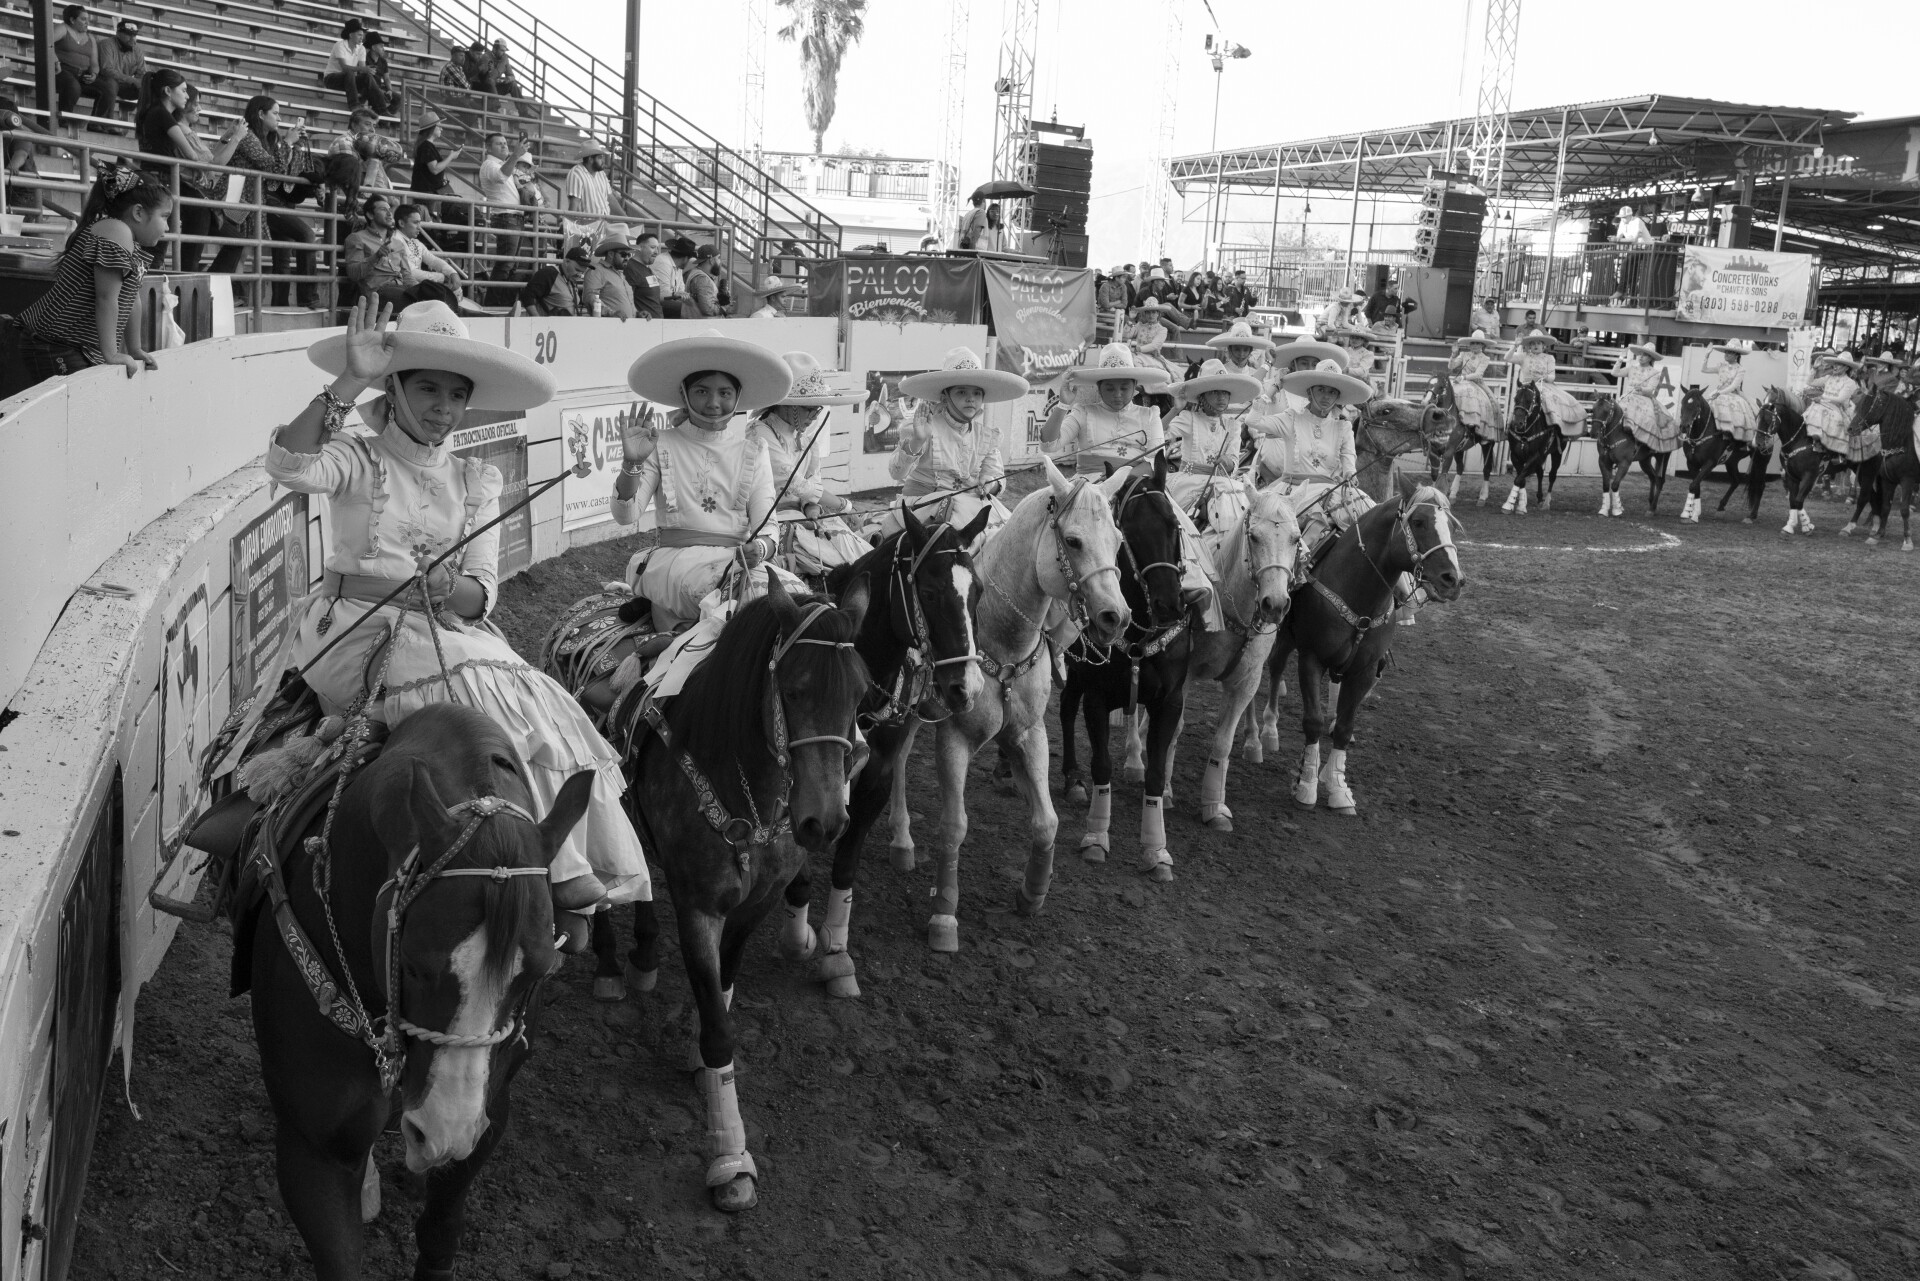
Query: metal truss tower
pixel 753 105
pixel 1156 208
pixel 1013 136
pixel 944 205
pixel 1499 52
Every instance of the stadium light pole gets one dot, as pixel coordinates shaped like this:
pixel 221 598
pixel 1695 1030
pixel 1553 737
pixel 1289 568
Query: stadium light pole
pixel 1219 52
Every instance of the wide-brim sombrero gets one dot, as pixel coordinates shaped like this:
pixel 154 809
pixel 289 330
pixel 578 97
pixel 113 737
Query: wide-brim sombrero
pixel 1302 348
pixel 810 388
pixel 998 384
pixel 1730 349
pixel 1840 358
pixel 429 335
pixel 1106 368
pixel 1238 387
pixel 1240 338
pixel 1352 390
pixel 1643 349
pixel 659 372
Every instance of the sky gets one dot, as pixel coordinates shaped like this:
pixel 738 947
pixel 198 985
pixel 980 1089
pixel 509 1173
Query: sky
pixel 1314 70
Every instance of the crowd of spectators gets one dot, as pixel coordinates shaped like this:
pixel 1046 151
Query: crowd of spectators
pixel 1195 297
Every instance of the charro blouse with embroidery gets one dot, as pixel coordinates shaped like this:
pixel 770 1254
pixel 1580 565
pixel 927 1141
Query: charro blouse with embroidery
pixel 955 455
pixel 714 482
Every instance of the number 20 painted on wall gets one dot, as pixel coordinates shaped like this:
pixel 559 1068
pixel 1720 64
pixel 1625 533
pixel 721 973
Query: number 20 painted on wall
pixel 546 348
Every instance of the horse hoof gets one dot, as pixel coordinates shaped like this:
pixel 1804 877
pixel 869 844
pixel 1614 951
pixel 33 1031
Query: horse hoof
pixel 1093 847
pixel 1076 793
pixel 1305 801
pixel 642 980
pixel 1219 823
pixel 1348 811
pixel 1024 906
pixel 1870 540
pixel 903 860
pixel 1746 520
pixel 1134 773
pixel 1907 545
pixel 1161 872
pixel 610 988
pixel 1253 755
pixel 735 1195
pixel 943 934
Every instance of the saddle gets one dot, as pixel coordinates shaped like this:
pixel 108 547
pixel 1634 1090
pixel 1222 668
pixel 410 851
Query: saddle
pixel 587 649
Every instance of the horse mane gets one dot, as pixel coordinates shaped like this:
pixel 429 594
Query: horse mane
pixel 869 564
pixel 717 714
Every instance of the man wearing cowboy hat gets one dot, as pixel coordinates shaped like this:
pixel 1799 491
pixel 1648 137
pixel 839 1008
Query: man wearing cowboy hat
pixel 795 436
pixel 770 289
pixel 1110 428
pixel 587 196
pixel 606 283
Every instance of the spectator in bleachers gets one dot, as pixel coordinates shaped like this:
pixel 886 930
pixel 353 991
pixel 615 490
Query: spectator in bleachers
pixel 556 288
pixel 78 58
pixel 380 74
pixel 347 67
pixel 20 152
pixel 533 196
pixel 500 72
pixel 375 150
pixel 264 149
pixel 122 64
pixel 430 164
pixel 703 283
pixel 386 257
pixel 680 256
pixel 606 280
pixel 642 278
pixel 92 314
pixel 500 192
pixel 479 67
pixel 454 74
pixel 161 130
pixel 587 197
pixel 770 290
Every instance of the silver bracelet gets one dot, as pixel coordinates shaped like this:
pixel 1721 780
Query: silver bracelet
pixel 334 414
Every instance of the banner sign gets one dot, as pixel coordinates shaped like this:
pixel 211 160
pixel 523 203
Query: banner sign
pixel 1043 318
pixel 591 435
pixel 900 291
pixel 502 442
pixel 269 564
pixel 1744 287
pixel 186 717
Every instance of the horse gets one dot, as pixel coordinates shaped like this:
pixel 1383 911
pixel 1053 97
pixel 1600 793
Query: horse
pixel 1342 625
pixel 1535 446
pixel 917 640
pixel 424 932
pixel 1060 547
pixel 1388 426
pixel 1618 449
pixel 1148 669
pixel 729 782
pixel 1447 440
pixel 1899 465
pixel 1706 446
pixel 1803 460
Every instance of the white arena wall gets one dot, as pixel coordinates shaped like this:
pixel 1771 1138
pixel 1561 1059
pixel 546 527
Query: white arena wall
pixel 122 506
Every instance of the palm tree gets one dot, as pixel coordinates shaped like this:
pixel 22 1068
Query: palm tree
pixel 825 29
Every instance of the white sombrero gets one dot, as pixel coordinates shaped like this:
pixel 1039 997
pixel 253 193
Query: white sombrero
pixel 810 384
pixel 1534 335
pixel 1477 336
pixel 1214 376
pixel 658 374
pixel 961 368
pixel 1114 362
pixel 1329 374
pixel 1737 347
pixel 1643 349
pixel 773 285
pixel 1241 335
pixel 429 335
pixel 1885 358
pixel 1304 349
pixel 1840 358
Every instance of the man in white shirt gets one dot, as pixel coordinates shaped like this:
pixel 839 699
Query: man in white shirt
pixel 587 192
pixel 347 63
pixel 498 188
pixel 1631 232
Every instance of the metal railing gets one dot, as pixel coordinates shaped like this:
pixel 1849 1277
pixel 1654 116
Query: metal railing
pixel 1637 277
pixel 703 179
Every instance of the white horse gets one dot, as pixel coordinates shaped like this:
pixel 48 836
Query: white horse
pixel 1058 549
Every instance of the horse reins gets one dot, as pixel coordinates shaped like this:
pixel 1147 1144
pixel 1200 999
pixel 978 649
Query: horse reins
pixel 1362 624
pixel 1151 643
pixel 917 667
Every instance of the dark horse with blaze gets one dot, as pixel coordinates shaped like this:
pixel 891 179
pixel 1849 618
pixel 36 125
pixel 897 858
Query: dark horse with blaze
pixel 1707 446
pixel 1535 445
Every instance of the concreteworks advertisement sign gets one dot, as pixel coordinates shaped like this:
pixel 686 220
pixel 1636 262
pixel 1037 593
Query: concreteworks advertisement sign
pixel 1043 318
pixel 1744 287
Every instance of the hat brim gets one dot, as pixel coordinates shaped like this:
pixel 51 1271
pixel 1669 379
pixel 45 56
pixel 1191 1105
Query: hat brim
pixel 1729 351
pixel 836 400
pixel 1302 348
pixel 1352 390
pixel 501 379
pixel 1255 341
pixel 658 373
pixel 774 293
pixel 999 385
pixel 1640 349
pixel 1146 375
pixel 1239 386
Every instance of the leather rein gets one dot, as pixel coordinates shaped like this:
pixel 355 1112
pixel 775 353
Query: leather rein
pixel 1364 623
pixel 906 615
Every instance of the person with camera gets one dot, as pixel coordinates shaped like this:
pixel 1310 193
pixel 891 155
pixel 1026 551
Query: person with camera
pixel 386 258
pixel 502 195
pixel 161 130
pixel 430 164
pixel 265 150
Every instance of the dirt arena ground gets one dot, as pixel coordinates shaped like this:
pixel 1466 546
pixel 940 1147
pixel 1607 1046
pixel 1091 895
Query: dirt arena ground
pixel 1614 976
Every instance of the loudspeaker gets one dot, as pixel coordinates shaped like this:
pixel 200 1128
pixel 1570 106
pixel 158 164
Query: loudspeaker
pixel 1450 223
pixel 1062 178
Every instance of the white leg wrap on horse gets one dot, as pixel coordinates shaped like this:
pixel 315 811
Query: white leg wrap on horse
pixel 1153 834
pixel 726 1132
pixel 1606 503
pixel 1306 789
pixel 1333 778
pixel 1213 789
pixel 839 919
pixel 797 939
pixel 1095 844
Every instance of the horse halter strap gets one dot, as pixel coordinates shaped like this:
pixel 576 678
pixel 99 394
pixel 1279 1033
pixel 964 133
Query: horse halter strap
pixel 1128 495
pixel 1056 510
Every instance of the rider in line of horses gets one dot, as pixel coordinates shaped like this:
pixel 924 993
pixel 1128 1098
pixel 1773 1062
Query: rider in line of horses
pixel 398 499
pixel 1241 351
pixel 1536 365
pixel 1733 411
pixel 1148 334
pixel 787 431
pixel 710 484
pixel 1829 397
pixel 1651 422
pixel 1292 358
pixel 1472 402
pixel 1360 354
pixel 1884 372
pixel 947 445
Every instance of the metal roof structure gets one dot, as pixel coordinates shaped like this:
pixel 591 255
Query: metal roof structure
pixel 1616 146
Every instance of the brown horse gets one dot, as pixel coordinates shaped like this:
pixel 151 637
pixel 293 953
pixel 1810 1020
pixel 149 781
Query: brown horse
pixel 1448 439
pixel 1706 447
pixel 419 980
pixel 1535 445
pixel 1899 464
pixel 1618 449
pixel 1803 459
pixel 1387 428
pixel 1342 625
pixel 741 770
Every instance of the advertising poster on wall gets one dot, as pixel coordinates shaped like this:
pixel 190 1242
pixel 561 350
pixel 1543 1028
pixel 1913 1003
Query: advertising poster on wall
pixel 501 439
pixel 591 435
pixel 1043 319
pixel 269 575
pixel 186 678
pixel 887 408
pixel 899 291
pixel 1744 287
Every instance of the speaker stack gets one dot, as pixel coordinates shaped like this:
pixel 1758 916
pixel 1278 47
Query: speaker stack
pixel 1448 234
pixel 1062 180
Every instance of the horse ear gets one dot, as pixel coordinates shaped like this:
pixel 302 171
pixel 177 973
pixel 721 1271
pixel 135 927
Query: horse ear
pixel 1106 469
pixel 1160 469
pixel 782 602
pixel 568 809
pixel 977 526
pixel 431 823
pixel 1054 479
pixel 1408 488
pixel 916 532
pixel 854 597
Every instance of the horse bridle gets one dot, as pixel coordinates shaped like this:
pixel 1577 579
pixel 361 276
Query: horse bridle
pixel 1132 492
pixel 1076 586
pixel 1296 575
pixel 1362 624
pixel 752 831
pixel 1803 434
pixel 919 637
